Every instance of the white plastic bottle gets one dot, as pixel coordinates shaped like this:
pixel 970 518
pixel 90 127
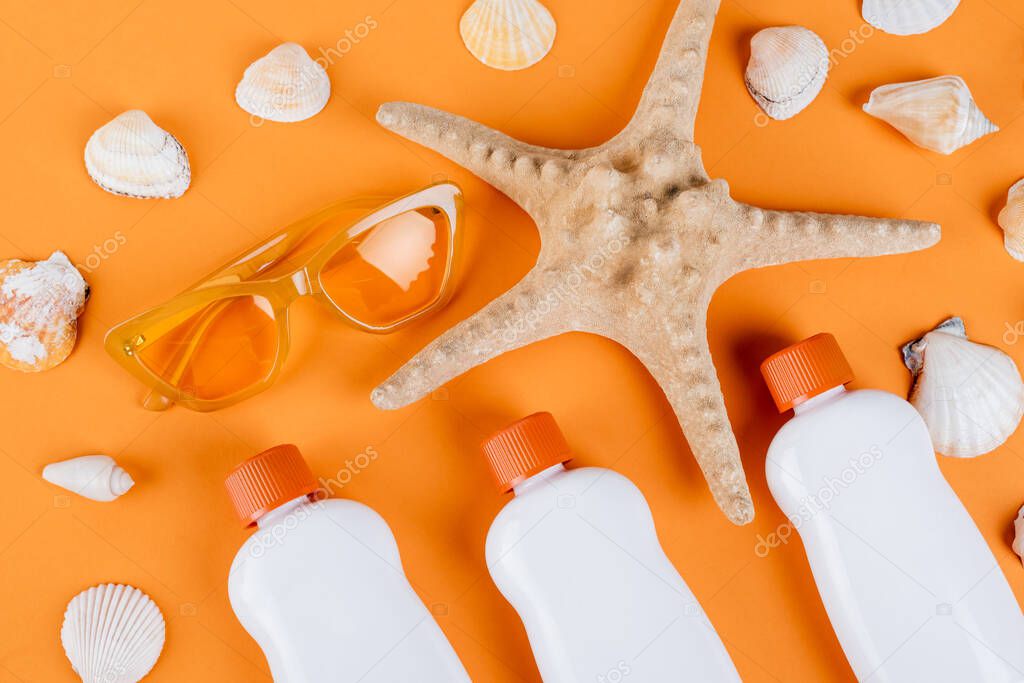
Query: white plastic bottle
pixel 320 585
pixel 912 589
pixel 576 554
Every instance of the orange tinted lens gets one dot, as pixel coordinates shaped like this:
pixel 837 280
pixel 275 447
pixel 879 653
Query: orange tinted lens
pixel 219 350
pixel 392 270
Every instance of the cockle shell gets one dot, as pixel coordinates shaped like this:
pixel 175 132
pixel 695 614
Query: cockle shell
pixel 1011 220
pixel 134 157
pixel 112 634
pixel 284 85
pixel 787 69
pixel 970 395
pixel 96 477
pixel 939 114
pixel 908 17
pixel 508 34
pixel 1018 534
pixel 40 302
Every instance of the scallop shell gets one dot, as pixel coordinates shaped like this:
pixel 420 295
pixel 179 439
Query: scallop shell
pixel 787 69
pixel 908 17
pixel 938 114
pixel 284 85
pixel 96 477
pixel 40 302
pixel 112 633
pixel 1018 534
pixel 970 395
pixel 134 157
pixel 1011 220
pixel 508 34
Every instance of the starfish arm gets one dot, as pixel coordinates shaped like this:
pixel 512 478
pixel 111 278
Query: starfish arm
pixel 690 382
pixel 775 237
pixel 504 162
pixel 672 94
pixel 519 317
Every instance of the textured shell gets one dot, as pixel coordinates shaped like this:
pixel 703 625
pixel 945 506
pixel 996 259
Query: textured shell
pixel 40 302
pixel 1011 220
pixel 908 17
pixel 134 157
pixel 285 85
pixel 96 477
pixel 112 633
pixel 1018 534
pixel 787 69
pixel 508 34
pixel 970 395
pixel 939 114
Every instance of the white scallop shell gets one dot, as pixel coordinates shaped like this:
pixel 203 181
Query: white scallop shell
pixel 508 34
pixel 1011 220
pixel 134 157
pixel 970 395
pixel 1018 534
pixel 112 634
pixel 96 477
pixel 284 85
pixel 908 17
pixel 939 114
pixel 787 69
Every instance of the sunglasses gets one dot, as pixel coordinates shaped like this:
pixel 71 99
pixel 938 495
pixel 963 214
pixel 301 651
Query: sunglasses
pixel 226 338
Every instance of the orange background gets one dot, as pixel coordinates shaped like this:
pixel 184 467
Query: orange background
pixel 68 67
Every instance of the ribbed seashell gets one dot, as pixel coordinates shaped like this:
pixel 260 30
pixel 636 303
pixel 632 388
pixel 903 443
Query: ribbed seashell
pixel 787 69
pixel 96 477
pixel 40 302
pixel 1011 220
pixel 939 114
pixel 134 157
pixel 284 85
pixel 970 395
pixel 508 34
pixel 1018 534
pixel 908 17
pixel 112 634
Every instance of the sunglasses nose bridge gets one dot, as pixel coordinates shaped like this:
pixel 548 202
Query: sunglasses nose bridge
pixel 301 282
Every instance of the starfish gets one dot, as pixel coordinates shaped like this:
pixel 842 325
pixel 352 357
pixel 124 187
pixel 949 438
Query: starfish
pixel 635 239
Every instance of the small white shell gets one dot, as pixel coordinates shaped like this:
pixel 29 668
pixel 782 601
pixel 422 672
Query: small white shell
pixel 134 157
pixel 939 114
pixel 787 69
pixel 284 85
pixel 1011 220
pixel 112 634
pixel 96 477
pixel 908 17
pixel 1018 534
pixel 970 395
pixel 508 34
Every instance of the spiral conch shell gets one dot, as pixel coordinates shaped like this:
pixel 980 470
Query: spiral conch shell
pixel 1011 220
pixel 908 17
pixel 939 114
pixel 508 34
pixel 284 85
pixel 788 67
pixel 96 477
pixel 970 395
pixel 134 157
pixel 40 302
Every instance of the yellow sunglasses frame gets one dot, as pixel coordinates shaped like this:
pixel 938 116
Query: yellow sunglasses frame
pixel 240 278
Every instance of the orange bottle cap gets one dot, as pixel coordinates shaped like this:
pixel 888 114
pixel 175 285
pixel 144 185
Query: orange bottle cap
pixel 805 369
pixel 268 480
pixel 525 448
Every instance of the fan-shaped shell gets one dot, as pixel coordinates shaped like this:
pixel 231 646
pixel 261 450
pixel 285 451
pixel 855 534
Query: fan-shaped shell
pixel 1011 220
pixel 939 114
pixel 112 633
pixel 970 395
pixel 508 34
pixel 908 17
pixel 284 85
pixel 134 157
pixel 40 302
pixel 787 69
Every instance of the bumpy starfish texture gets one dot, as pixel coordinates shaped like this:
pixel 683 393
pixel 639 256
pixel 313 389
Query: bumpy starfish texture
pixel 635 239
